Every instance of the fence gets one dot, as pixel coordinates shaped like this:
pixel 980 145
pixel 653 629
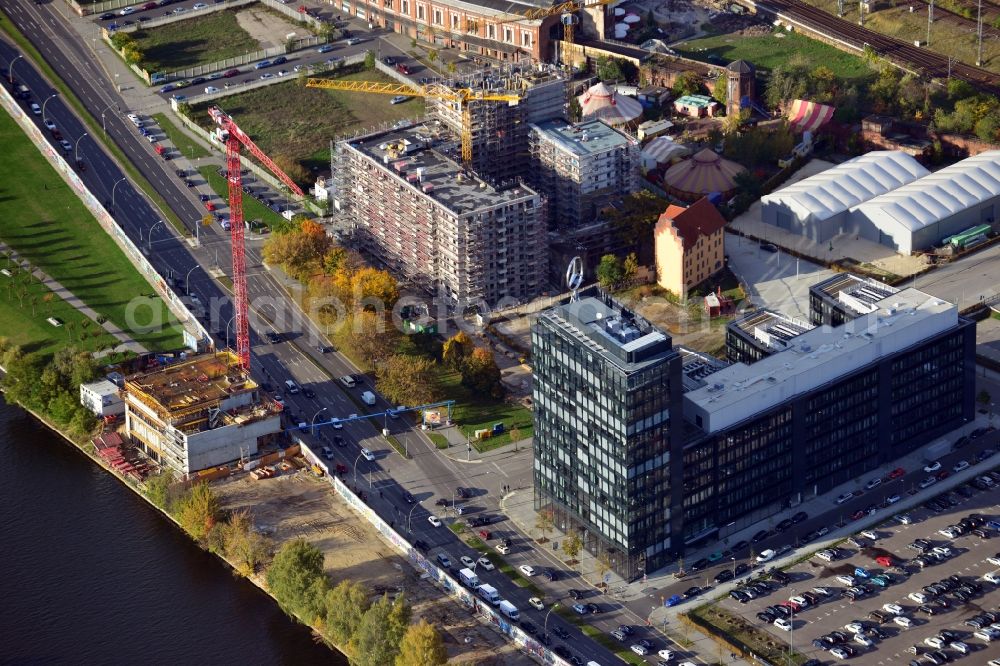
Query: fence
pixel 481 609
pixel 195 335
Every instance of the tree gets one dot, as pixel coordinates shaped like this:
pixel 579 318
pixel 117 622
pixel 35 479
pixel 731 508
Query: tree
pixel 345 606
pixel 377 640
pixel 407 380
pixel 432 55
pixel 720 89
pixel 686 83
pixel 603 565
pixel 456 348
pixel 374 284
pixel 372 337
pixel 609 271
pixel 243 545
pixel 481 373
pixel 299 251
pixel 369 60
pixel 983 398
pixel 572 544
pixel 630 269
pixel 297 580
pixel 198 511
pixel 545 521
pixel 451 67
pixel 516 436
pixel 293 168
pixel 158 488
pixel 421 646
pixel 575 110
pixel 609 69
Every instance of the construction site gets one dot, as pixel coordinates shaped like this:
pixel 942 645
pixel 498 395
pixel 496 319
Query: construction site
pixel 201 412
pixel 445 203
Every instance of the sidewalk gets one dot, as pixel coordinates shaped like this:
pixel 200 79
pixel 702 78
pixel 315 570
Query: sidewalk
pixel 126 342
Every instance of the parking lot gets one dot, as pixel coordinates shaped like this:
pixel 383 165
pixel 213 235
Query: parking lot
pixel 924 615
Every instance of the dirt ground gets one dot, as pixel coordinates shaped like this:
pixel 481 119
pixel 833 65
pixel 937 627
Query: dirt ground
pixel 297 504
pixel 267 27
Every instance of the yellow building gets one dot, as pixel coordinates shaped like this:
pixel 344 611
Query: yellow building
pixel 689 246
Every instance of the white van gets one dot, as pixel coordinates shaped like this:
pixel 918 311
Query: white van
pixel 993 577
pixel 368 397
pixel 292 387
pixel 509 610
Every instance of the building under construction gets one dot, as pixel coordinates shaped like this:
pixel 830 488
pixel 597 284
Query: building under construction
pixel 499 131
pixel 439 225
pixel 199 413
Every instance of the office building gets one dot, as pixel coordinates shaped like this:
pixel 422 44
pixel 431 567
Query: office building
pixel 580 168
pixel 616 445
pixel 843 297
pixel 607 396
pixel 832 405
pixel 198 413
pixel 761 333
pixel 436 224
pixel 102 398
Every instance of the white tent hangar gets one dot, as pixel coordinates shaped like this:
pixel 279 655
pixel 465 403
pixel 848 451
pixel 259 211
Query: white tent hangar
pixel 922 213
pixel 818 207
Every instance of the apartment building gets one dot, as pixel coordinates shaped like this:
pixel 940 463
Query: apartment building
pixel 198 413
pixel 498 131
pixel 580 168
pixel 689 245
pixel 438 225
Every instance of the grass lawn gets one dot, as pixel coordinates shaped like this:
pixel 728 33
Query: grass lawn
pixel 185 144
pixel 252 209
pixel 471 412
pixel 769 51
pixel 197 41
pixel 57 234
pixel 32 332
pixel 440 441
pixel 319 116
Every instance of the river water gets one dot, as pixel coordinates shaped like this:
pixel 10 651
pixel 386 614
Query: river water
pixel 90 574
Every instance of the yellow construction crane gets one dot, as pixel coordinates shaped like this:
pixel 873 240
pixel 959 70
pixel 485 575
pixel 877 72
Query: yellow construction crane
pixel 461 95
pixel 567 9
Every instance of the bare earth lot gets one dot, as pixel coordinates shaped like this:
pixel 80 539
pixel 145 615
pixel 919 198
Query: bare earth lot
pixel 297 504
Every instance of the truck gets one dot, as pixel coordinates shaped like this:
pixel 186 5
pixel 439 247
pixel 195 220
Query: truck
pixel 368 397
pixel 468 578
pixel 489 593
pixel 509 610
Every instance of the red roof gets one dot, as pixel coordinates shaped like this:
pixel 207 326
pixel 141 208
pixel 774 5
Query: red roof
pixel 699 219
pixel 107 440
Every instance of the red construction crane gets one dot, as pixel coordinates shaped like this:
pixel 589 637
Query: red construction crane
pixel 234 137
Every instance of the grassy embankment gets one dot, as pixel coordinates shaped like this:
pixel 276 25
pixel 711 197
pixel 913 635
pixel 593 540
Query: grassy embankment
pixel 42 219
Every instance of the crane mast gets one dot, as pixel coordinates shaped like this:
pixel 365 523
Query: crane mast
pixel 235 140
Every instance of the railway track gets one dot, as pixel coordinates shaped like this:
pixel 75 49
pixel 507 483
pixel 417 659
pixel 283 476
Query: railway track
pixel 920 61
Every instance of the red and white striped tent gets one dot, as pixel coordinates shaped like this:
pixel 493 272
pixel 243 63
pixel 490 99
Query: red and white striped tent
pixel 809 116
pixel 602 103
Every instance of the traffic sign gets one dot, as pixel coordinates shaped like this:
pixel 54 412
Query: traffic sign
pixel 206 220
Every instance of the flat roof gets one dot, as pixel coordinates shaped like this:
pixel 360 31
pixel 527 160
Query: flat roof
pixel 416 155
pixel 697 368
pixel 818 357
pixel 102 387
pixel 619 336
pixel 587 138
pixel 860 295
pixel 206 378
pixel 772 329
pixel 694 100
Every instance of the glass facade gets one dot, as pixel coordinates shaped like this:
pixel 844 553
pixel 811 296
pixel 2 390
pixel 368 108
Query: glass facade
pixel 602 443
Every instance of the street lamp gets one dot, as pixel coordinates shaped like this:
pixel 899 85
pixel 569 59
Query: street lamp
pixel 104 125
pixel 791 629
pixel 545 622
pixel 734 567
pixel 47 100
pixel 187 280
pixel 313 425
pixel 356 460
pixel 10 69
pixel 115 187
pixel 149 236
pixel 408 516
pixel 76 148
pixel 228 324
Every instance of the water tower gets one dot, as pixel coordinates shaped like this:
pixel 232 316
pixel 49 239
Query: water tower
pixel 740 86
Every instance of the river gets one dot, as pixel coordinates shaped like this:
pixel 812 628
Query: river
pixel 90 574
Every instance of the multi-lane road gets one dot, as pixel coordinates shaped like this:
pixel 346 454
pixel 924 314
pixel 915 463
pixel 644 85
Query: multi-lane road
pixel 427 474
